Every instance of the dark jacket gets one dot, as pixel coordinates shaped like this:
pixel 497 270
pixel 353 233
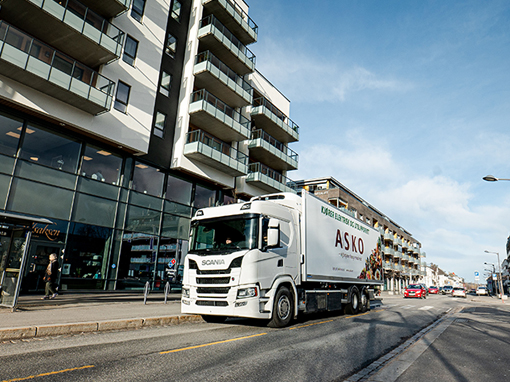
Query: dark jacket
pixel 51 272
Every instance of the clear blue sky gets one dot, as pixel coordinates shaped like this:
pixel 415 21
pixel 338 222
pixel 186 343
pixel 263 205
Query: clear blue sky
pixel 406 103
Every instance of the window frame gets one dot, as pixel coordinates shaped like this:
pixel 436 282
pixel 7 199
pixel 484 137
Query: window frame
pixel 118 101
pixel 157 127
pixel 176 12
pixel 168 50
pixel 125 54
pixel 135 13
pixel 162 89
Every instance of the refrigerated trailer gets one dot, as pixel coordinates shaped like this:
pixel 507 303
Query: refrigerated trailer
pixel 278 256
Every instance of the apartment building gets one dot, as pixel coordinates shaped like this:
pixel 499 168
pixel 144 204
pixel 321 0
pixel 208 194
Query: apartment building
pixel 402 254
pixel 119 118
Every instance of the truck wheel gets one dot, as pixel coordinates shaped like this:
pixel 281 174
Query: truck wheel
pixel 352 306
pixel 213 319
pixel 365 302
pixel 283 308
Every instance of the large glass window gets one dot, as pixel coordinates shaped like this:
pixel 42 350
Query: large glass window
pixel 179 190
pixel 10 131
pixel 176 10
pixel 122 97
pixel 50 149
pixel 137 9
pixel 86 256
pixel 204 197
pixel 130 49
pixel 159 124
pixel 166 83
pixel 137 259
pixel 147 180
pixel 171 45
pixel 93 210
pixel 100 164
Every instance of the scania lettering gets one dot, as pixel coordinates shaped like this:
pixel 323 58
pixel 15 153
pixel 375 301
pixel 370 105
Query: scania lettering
pixel 278 256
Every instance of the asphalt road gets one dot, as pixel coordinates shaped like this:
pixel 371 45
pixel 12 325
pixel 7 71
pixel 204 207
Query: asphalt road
pixel 316 348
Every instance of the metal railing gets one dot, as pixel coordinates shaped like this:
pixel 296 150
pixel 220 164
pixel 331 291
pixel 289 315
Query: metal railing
pixel 256 134
pixel 73 10
pixel 243 14
pixel 52 65
pixel 261 101
pixel 211 20
pixel 209 57
pixel 216 144
pixel 272 174
pixel 204 95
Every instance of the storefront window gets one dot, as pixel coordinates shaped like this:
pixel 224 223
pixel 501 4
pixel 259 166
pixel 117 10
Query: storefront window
pixel 148 180
pixel 176 227
pixel 101 165
pixel 178 190
pixel 10 132
pixel 93 210
pixel 204 197
pixel 50 149
pixel 143 220
pixel 137 258
pixel 86 256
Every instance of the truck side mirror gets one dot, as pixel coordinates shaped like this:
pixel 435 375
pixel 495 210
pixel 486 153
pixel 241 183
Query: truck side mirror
pixel 273 233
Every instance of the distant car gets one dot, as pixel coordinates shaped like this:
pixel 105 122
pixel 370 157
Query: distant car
pixel 481 290
pixel 425 287
pixel 415 290
pixel 433 290
pixel 447 289
pixel 459 292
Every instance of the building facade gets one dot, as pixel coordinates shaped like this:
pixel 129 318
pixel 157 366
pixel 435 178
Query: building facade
pixel 402 254
pixel 119 118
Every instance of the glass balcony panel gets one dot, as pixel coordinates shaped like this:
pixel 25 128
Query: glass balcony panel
pixel 266 149
pixel 271 119
pixel 76 82
pixel 268 179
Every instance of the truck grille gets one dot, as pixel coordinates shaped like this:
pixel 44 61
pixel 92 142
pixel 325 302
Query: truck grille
pixel 212 290
pixel 212 303
pixel 215 280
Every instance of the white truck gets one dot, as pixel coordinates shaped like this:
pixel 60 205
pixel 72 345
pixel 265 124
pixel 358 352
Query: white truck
pixel 276 256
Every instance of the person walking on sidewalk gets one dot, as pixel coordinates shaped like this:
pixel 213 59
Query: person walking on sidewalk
pixel 50 277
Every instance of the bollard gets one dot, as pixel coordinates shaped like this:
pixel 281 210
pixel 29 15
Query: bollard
pixel 167 290
pixel 146 292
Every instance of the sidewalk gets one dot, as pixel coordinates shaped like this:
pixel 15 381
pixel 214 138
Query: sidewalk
pixel 87 312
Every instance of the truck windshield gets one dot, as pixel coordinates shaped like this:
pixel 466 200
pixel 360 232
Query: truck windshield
pixel 225 234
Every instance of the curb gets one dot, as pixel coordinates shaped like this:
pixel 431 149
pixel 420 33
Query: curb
pixel 87 327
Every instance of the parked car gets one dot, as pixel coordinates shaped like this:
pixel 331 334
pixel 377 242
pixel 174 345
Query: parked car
pixel 415 290
pixel 459 292
pixel 425 287
pixel 433 289
pixel 447 289
pixel 481 290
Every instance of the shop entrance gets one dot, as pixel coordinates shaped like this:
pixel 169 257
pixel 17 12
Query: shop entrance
pixel 37 260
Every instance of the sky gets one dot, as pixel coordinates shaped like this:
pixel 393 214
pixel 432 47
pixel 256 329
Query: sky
pixel 407 104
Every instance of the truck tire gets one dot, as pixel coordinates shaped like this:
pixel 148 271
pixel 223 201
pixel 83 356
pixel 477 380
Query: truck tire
pixel 283 308
pixel 364 301
pixel 353 305
pixel 213 319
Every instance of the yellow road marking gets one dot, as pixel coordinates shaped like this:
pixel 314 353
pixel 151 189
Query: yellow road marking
pixel 212 343
pixel 50 373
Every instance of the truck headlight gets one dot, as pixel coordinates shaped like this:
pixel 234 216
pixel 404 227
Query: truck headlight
pixel 185 292
pixel 247 292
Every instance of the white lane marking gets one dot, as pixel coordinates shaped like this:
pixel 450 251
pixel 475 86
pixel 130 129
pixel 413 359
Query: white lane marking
pixel 426 308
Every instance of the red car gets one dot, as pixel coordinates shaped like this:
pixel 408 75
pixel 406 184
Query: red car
pixel 433 290
pixel 415 290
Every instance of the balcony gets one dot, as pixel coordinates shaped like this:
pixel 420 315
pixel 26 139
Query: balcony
pixel 41 67
pixel 214 36
pixel 268 179
pixel 412 259
pixel 268 117
pixel 264 148
pixel 387 265
pixel 212 74
pixel 109 8
pixel 69 26
pixel 389 251
pixel 389 237
pixel 398 267
pixel 405 257
pixel 205 148
pixel 397 254
pixel 214 116
pixel 234 18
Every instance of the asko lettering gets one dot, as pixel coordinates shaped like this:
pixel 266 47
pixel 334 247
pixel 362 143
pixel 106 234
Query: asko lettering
pixel 213 262
pixel 347 241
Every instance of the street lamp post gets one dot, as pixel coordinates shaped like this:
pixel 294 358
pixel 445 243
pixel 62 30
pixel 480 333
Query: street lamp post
pixel 492 178
pixel 500 279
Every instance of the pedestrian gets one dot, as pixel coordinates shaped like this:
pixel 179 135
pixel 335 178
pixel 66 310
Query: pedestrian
pixel 50 277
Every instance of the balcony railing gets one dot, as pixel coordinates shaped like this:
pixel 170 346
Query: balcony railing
pixel 229 125
pixel 243 91
pixel 59 24
pixel 232 43
pixel 110 8
pixel 388 265
pixel 285 130
pixel 258 172
pixel 265 148
pixel 64 78
pixel 216 153
pixel 235 18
